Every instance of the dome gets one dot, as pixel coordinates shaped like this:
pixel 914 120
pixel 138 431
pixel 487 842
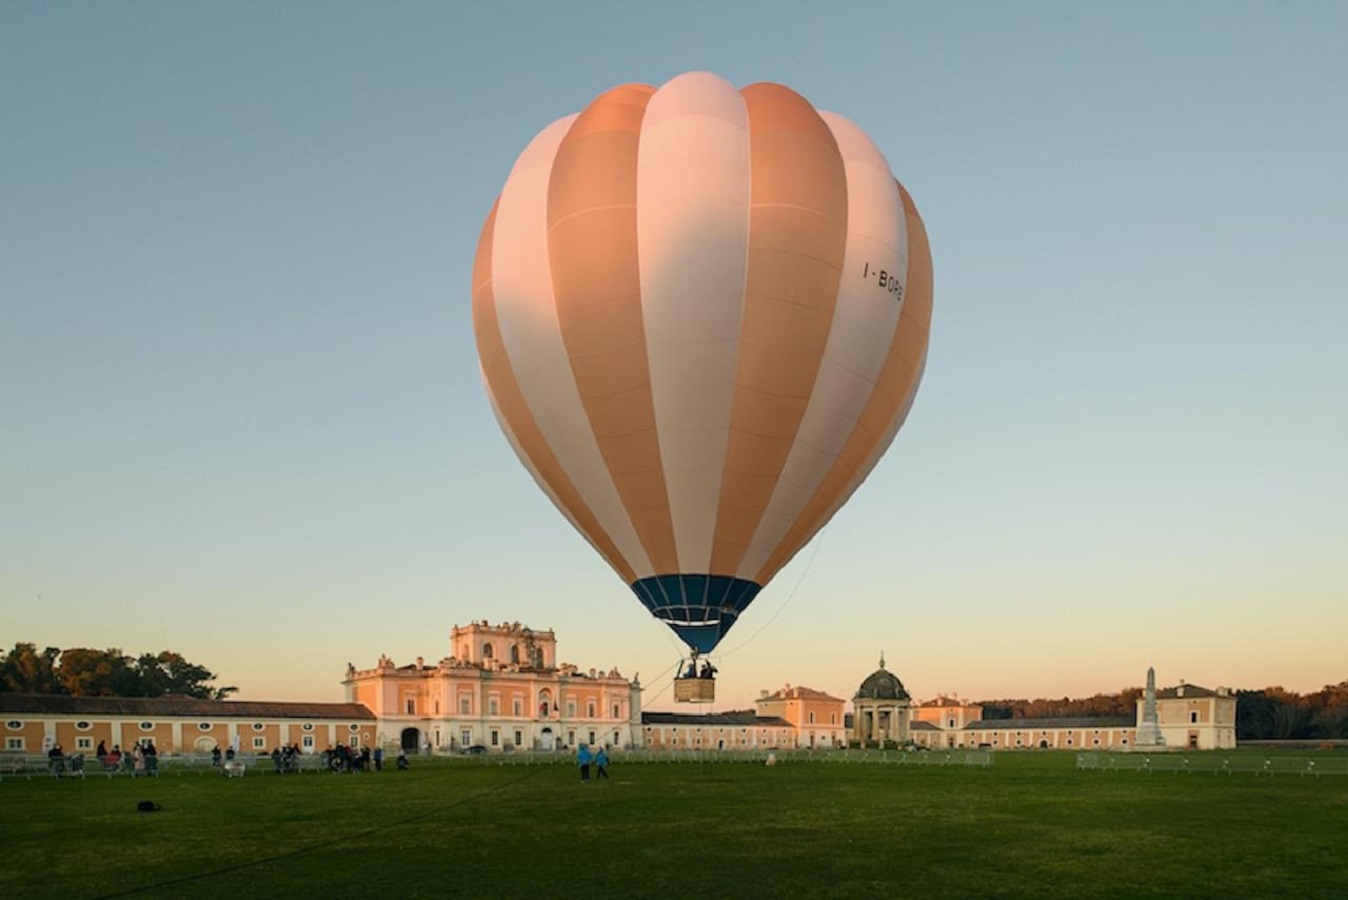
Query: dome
pixel 882 684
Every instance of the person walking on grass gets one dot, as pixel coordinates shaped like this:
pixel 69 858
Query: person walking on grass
pixel 601 763
pixel 583 759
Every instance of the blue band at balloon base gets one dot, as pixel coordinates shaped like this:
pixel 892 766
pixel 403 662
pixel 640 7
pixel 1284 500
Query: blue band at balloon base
pixel 699 608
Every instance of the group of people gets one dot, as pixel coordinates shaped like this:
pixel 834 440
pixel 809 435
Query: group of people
pixel 142 758
pixel 599 758
pixel 342 758
pixel 707 670
pixel 286 759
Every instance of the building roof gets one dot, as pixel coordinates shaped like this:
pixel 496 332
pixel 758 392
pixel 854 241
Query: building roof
pixel 882 684
pixel 946 702
pixel 187 707
pixel 1191 691
pixel 799 693
pixel 743 719
pixel 920 725
pixel 1050 723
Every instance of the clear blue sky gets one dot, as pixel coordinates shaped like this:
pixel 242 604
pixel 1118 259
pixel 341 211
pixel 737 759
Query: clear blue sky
pixel 240 412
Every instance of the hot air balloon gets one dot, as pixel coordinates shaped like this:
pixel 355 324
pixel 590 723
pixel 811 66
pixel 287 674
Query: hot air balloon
pixel 701 315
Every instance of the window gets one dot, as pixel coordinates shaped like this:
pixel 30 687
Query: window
pixel 465 705
pixel 616 712
pixel 465 737
pixel 203 726
pixel 833 718
pixel 515 653
pixel 410 705
pixel 589 709
pixel 571 739
pixel 308 726
pixel 353 728
pixel 1193 717
pixel 84 743
pixel 616 742
pixel 82 726
pixel 13 724
pixel 486 651
pixel 307 742
pixel 519 738
pixel 258 726
pixel 495 738
pixel 517 706
pixel 949 723
pixel 571 709
pixel 13 743
pixel 259 743
pixel 811 717
pixel 592 738
pixel 437 707
pixel 493 706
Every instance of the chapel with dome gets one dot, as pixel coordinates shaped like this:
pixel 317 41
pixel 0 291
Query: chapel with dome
pixel 881 709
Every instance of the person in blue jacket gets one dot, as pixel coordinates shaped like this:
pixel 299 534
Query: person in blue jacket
pixel 583 759
pixel 601 763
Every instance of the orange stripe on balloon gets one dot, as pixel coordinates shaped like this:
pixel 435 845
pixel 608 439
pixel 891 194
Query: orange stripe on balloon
pixel 893 394
pixel 592 247
pixel 797 237
pixel 505 388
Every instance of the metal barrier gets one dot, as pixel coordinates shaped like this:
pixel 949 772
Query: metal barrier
pixel 779 756
pixel 1213 764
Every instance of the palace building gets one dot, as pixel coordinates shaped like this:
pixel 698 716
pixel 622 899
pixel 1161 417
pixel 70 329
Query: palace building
pixel 501 690
pixel 1189 717
pixel 34 723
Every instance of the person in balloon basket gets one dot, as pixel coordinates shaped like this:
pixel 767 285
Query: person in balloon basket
pixel 583 759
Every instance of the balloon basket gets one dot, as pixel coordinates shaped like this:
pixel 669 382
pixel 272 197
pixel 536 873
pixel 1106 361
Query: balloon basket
pixel 694 690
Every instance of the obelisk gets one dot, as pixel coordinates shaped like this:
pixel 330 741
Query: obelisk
pixel 1148 731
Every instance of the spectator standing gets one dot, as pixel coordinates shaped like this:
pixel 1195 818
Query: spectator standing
pixel 583 760
pixel 601 763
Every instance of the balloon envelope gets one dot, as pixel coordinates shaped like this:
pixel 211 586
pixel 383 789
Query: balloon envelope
pixel 701 315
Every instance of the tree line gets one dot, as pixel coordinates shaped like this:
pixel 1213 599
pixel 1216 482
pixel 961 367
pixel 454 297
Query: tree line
pixel 84 672
pixel 1271 713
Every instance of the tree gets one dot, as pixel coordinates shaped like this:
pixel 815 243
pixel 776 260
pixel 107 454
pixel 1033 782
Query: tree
pixel 170 673
pixel 26 671
pixel 96 673
pixel 85 672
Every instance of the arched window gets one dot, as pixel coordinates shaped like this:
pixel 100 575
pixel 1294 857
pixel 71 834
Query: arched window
pixel 515 653
pixel 486 651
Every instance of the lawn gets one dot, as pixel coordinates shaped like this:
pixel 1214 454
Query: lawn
pixel 1030 824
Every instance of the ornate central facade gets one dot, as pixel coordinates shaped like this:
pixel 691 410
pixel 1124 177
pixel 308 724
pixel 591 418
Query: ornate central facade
pixel 501 689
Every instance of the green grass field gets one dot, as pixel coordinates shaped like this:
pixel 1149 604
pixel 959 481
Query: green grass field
pixel 1029 825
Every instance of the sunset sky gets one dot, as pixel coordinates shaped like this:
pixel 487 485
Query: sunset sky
pixel 241 415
